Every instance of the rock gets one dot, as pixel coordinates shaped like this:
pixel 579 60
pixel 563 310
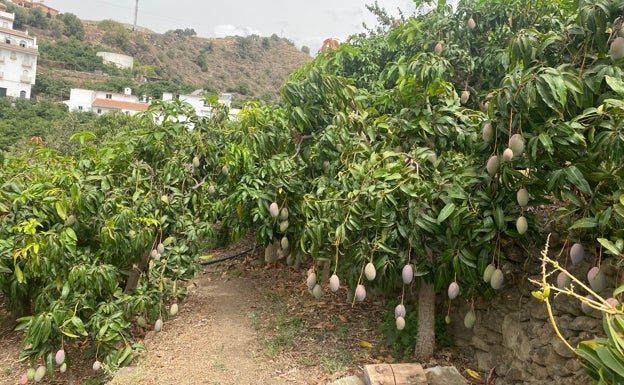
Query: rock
pixel 351 380
pixel 485 361
pixel 478 343
pixel 584 323
pixel 515 338
pixel 447 375
pixel 538 311
pixel 561 349
pixel 539 372
pixel 516 372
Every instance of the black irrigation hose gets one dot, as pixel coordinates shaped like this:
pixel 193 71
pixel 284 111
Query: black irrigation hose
pixel 213 261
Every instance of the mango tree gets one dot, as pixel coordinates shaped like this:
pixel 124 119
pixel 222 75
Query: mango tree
pixel 95 243
pixel 426 148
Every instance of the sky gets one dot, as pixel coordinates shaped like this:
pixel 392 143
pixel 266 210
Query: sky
pixel 306 23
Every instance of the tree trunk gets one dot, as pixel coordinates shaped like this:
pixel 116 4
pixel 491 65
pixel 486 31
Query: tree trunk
pixel 425 339
pixel 136 271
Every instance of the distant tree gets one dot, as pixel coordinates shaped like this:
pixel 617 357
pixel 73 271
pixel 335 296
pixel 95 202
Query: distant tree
pixel 36 18
pixel 23 118
pixel 72 25
pixel 266 43
pixel 209 88
pixel 242 88
pixel 21 15
pixel 182 32
pixel 201 62
pixel 305 49
pixel 74 53
pixel 115 34
pixel 157 88
pixel 51 87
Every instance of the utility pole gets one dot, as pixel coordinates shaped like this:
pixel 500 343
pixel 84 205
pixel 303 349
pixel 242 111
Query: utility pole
pixel 136 14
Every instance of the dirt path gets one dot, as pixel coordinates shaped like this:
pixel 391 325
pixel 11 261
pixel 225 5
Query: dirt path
pixel 236 328
pixel 212 341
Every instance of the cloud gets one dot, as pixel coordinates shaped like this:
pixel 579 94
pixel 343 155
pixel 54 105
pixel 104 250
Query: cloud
pixel 223 30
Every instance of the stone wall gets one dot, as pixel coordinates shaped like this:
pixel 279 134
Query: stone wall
pixel 513 334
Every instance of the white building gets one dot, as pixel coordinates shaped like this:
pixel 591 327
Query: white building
pixel 18 58
pixel 196 99
pixel 119 60
pixel 102 102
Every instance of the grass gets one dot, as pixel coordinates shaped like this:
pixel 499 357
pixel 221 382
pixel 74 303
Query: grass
pixel 279 331
pixel 283 333
pixel 338 362
pixel 218 363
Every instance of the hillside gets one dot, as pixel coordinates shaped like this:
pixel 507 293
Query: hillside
pixel 251 67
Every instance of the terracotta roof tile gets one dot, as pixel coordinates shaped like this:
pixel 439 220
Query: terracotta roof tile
pixel 122 105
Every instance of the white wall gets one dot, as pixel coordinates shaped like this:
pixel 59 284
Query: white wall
pixel 120 60
pixel 80 99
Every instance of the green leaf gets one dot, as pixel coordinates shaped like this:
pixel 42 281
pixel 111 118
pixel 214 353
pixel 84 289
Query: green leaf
pixel 610 360
pixel 446 212
pixel 5 270
pixel 616 84
pixel 61 209
pixel 611 248
pixel 584 223
pixel 79 325
pixel 499 218
pixel 549 90
pixel 586 350
pixel 576 178
pixel 125 357
pixel 546 142
pixel 19 275
pixel 82 136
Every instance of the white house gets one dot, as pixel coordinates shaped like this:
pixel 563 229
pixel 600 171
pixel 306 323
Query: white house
pixel 196 99
pixel 18 58
pixel 102 102
pixel 119 60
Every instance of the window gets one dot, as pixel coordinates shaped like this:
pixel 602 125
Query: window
pixel 99 111
pixel 109 96
pixel 80 108
pixel 23 94
pixel 7 40
pixel 22 43
pixel 25 78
